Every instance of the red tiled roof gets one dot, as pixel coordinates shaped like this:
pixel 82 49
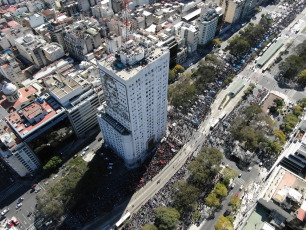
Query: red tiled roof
pixel 25 92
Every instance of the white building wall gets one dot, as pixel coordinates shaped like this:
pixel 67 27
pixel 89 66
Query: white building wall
pixel 139 104
pixel 207 30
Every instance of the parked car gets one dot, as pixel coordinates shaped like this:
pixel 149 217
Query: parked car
pixel 20 200
pixel 86 148
pixel 83 153
pixel 5 211
pixel 18 205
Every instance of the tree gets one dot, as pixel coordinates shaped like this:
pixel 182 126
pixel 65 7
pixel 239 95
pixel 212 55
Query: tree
pixel 49 207
pixel 272 147
pixel 166 218
pixel 212 200
pixel 279 103
pixel 217 42
pixel 302 102
pixel 224 223
pixel 280 136
pixel 221 190
pixel 235 203
pixel 185 196
pixel 297 110
pixel 53 163
pixel 205 165
pixel 291 66
pixel 238 46
pixel 302 78
pixel 172 76
pixel 149 227
pixel 229 173
pixel 179 69
pixel 252 110
pixel 257 10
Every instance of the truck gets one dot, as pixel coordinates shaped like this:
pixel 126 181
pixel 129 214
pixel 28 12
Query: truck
pixel 122 219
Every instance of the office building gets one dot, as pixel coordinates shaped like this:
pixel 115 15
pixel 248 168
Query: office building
pixel 133 118
pixel 79 99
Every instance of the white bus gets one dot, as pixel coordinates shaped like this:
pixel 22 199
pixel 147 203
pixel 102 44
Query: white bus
pixel 124 218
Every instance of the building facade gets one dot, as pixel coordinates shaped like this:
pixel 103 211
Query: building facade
pixel 134 116
pixel 207 24
pixel 29 46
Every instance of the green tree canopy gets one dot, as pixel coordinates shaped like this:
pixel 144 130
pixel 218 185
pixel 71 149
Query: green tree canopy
pixel 279 102
pixel 149 227
pixel 280 136
pixel 252 110
pixel 221 190
pixel 212 200
pixel 302 78
pixel 53 163
pixel 297 110
pixel 291 66
pixel 217 42
pixel 185 196
pixel 179 69
pixel 302 102
pixel 235 203
pixel 205 165
pixel 238 46
pixel 224 223
pixel 166 218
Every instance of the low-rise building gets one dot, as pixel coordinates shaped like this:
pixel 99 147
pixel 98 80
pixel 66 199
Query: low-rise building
pixel 29 46
pixel 53 51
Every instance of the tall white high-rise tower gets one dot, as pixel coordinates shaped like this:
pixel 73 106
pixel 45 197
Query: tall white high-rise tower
pixel 134 116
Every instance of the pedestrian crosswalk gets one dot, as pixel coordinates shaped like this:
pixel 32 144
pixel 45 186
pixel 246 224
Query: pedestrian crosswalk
pixel 38 223
pixel 239 181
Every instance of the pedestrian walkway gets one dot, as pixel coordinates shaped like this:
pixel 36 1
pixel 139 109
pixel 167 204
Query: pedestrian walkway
pixel 36 225
pixel 239 181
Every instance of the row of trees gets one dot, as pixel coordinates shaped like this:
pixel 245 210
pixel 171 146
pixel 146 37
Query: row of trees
pixel 240 44
pixel 183 93
pixel 186 193
pixel 294 67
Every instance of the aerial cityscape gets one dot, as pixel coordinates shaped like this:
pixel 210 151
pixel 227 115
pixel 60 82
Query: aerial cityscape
pixel 153 115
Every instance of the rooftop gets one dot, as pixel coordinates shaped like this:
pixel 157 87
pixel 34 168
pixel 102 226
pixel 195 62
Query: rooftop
pixel 19 120
pixel 126 71
pixel 25 96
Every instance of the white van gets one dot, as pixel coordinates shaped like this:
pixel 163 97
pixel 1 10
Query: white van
pixel 86 148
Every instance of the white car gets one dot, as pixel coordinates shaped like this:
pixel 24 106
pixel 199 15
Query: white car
pixel 4 211
pixel 241 187
pixel 86 148
pixel 249 169
pixel 83 153
pixel 18 205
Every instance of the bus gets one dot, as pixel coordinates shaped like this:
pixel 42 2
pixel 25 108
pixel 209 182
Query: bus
pixel 124 218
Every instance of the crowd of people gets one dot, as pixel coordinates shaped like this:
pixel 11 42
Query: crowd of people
pixel 182 122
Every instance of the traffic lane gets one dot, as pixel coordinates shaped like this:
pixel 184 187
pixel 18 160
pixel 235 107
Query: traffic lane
pixel 28 205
